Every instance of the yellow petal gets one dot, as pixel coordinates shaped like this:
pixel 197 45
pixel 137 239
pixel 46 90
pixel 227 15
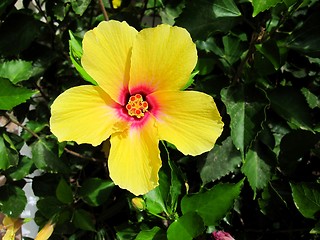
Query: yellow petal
pixel 45 232
pixel 84 114
pixel 189 120
pixel 116 3
pixel 134 159
pixel 8 221
pixel 138 203
pixel 10 234
pixel 12 225
pixel 162 58
pixel 106 56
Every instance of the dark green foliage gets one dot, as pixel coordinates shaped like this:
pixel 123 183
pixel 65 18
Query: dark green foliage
pixel 259 59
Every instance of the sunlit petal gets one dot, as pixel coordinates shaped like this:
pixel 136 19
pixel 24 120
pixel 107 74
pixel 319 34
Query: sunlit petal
pixel 106 56
pixel 162 58
pixel 189 120
pixel 134 159
pixel 84 114
pixel 45 232
pixel 12 225
pixel 116 3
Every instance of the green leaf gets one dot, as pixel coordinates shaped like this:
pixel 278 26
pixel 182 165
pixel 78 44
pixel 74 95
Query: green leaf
pixel 262 5
pixel 11 96
pixel 12 200
pixel 153 234
pixel 75 53
pixel 83 220
pixel 191 80
pixel 289 2
pixel 4 4
pixel 64 192
pixel 306 197
pixel 17 32
pixel 156 199
pixel 263 67
pixel 210 45
pixel 125 232
pixel 270 50
pixel 169 13
pixel 233 49
pixel 225 8
pixel 175 186
pixel 200 19
pixel 45 156
pixel 213 204
pixel 188 226
pixel 246 106
pixel 205 65
pixel 75 45
pixel 34 126
pixel 96 191
pixel 256 168
pixel 16 70
pixel 50 206
pixel 21 170
pixel 291 105
pixel 274 198
pixel 12 145
pixel 221 160
pixel 80 6
pixel 60 9
pixel 306 37
pixel 45 185
pixel 312 100
pixel 8 156
pixel 316 229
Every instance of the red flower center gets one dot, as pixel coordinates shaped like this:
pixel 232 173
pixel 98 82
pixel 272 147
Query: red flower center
pixel 136 107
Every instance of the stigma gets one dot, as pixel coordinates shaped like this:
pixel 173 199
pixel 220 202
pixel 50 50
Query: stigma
pixel 136 107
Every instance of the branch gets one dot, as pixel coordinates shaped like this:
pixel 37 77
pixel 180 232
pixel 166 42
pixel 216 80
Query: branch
pixel 254 38
pixel 104 12
pixel 15 121
pixel 82 156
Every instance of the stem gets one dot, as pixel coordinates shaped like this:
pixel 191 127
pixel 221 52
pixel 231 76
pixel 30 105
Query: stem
pixel 165 147
pixel 38 6
pixel 156 215
pixel 154 14
pixel 82 156
pixel 104 12
pixel 143 10
pixel 251 50
pixel 15 121
pixel 45 96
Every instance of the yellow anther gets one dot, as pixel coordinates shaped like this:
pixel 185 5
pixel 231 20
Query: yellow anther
pixel 136 106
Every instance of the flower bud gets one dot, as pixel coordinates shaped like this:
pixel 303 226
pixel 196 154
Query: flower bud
pixel 138 203
pixel 221 235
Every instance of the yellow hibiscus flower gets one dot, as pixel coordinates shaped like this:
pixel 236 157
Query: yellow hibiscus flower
pixel 138 101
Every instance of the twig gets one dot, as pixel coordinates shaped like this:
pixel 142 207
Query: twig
pixel 104 12
pixel 13 120
pixel 154 14
pixel 143 10
pixel 82 156
pixel 38 86
pixel 251 50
